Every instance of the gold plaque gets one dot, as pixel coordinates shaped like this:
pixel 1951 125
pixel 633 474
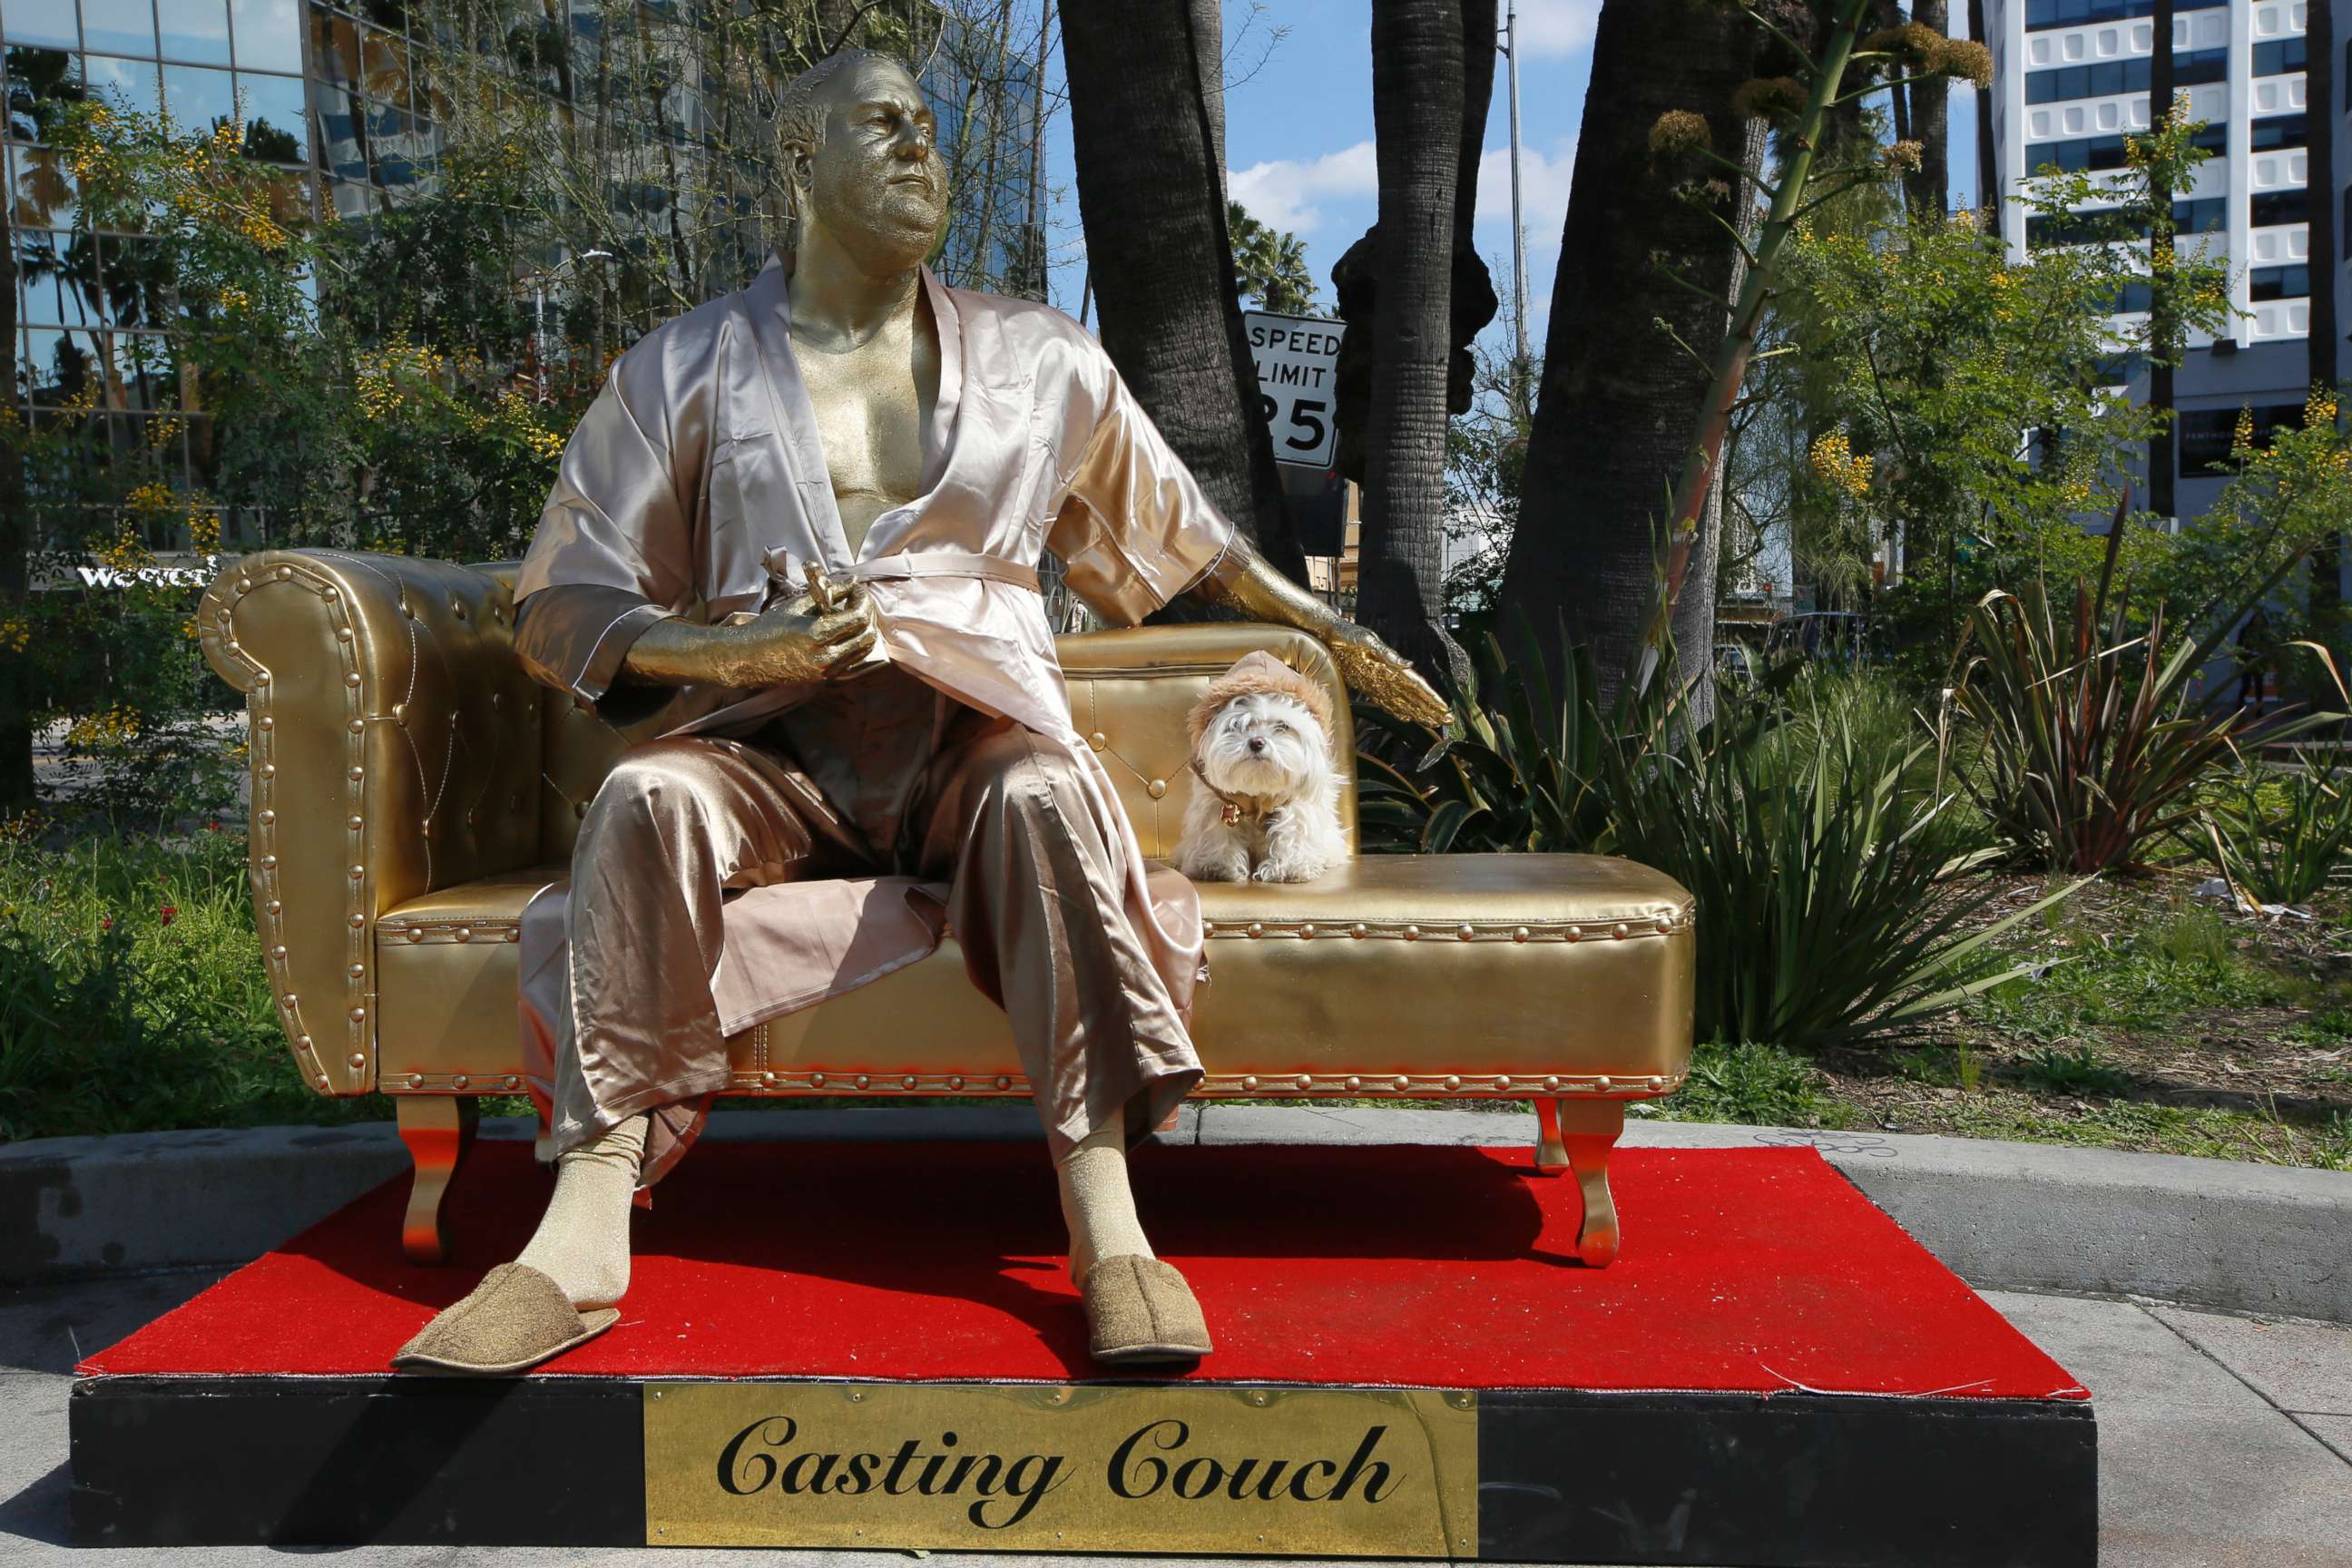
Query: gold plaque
pixel 1371 1472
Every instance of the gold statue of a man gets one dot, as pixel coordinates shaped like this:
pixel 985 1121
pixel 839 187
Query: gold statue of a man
pixel 795 539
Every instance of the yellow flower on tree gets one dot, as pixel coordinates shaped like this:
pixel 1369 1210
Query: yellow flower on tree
pixel 1834 463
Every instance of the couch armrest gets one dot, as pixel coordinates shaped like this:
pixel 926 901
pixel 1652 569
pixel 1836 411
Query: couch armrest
pixel 395 750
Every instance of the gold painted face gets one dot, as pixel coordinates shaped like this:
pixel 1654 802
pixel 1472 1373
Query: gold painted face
pixel 876 181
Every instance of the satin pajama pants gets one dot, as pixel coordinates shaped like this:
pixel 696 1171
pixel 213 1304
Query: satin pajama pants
pixel 882 775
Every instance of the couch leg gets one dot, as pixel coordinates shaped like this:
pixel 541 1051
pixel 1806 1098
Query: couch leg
pixel 1577 1134
pixel 439 1129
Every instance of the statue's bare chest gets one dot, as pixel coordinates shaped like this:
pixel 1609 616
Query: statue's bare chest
pixel 874 406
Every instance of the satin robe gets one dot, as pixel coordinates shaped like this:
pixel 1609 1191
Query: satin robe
pixel 696 482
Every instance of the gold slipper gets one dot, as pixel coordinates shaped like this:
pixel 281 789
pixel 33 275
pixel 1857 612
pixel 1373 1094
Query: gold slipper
pixel 1140 1310
pixel 514 1320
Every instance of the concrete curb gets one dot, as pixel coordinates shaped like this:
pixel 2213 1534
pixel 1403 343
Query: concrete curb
pixel 76 1207
pixel 2211 1233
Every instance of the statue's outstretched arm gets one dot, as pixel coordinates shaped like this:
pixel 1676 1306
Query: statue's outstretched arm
pixel 1368 665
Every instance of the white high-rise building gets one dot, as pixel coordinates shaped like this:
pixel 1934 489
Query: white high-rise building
pixel 2071 79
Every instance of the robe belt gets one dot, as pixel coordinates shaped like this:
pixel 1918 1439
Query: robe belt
pixel 945 563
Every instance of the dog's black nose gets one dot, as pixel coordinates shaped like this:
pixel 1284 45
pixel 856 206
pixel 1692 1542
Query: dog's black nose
pixel 1257 742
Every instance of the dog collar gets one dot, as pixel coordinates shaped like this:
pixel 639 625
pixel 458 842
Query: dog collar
pixel 1236 806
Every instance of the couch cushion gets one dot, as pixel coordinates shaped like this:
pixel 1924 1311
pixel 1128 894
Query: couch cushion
pixel 1473 974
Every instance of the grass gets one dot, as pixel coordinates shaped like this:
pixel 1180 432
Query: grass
pixel 2143 983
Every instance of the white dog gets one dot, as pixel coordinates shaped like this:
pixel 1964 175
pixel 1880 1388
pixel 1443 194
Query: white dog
pixel 1265 794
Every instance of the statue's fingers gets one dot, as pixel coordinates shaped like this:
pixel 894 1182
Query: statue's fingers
pixel 843 657
pixel 839 626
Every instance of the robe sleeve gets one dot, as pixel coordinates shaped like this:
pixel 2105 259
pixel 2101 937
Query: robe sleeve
pixel 1134 530
pixel 614 544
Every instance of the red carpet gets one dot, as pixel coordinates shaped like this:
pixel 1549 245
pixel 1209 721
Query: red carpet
pixel 1743 1270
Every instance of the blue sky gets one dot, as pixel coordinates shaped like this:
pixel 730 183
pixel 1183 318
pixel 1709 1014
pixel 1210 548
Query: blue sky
pixel 1298 136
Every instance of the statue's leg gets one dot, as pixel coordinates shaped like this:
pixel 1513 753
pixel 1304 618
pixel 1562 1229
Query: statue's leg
pixel 1036 899
pixel 673 827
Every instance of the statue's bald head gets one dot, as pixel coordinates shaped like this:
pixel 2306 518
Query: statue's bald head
pixel 857 144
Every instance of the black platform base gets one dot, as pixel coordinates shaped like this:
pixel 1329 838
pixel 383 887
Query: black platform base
pixel 1795 1480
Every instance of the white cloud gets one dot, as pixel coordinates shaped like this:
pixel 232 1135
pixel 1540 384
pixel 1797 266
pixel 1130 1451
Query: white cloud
pixel 1283 195
pixel 1544 179
pixel 1550 28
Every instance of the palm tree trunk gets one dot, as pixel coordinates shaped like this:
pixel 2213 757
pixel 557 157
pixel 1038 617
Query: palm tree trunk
pixel 1209 30
pixel 1417 107
pixel 1617 400
pixel 1151 199
pixel 1928 188
pixel 1479 33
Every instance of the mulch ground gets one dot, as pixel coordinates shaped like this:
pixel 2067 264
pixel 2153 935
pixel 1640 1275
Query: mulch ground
pixel 2235 1040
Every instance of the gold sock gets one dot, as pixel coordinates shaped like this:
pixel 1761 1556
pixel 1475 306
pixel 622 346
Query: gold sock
pixel 1097 1202
pixel 582 1241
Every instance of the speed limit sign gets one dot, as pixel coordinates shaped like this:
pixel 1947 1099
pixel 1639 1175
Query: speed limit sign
pixel 1296 358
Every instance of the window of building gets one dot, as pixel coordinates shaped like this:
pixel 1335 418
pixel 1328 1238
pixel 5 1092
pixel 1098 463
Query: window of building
pixel 2278 282
pixel 2094 153
pixel 2108 78
pixel 2202 436
pixel 2207 214
pixel 41 24
pixel 2272 207
pixel 2040 14
pixel 2131 300
pixel 2277 131
pixel 118 27
pixel 2278 59
pixel 2117 369
pixel 195 31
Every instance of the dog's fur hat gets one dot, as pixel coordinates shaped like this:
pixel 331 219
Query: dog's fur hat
pixel 1257 671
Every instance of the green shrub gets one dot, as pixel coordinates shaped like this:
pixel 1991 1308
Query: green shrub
pixel 2278 835
pixel 2093 736
pixel 134 996
pixel 1756 1084
pixel 1823 875
pixel 1810 818
pixel 1518 775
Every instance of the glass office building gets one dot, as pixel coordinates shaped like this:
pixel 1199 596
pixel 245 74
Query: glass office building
pixel 2071 81
pixel 348 100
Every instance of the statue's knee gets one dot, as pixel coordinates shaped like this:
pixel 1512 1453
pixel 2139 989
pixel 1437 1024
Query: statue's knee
pixel 1027 781
pixel 647 784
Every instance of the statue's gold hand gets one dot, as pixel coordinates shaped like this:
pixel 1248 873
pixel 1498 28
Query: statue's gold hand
pixel 1366 663
pixel 790 642
pixel 1370 666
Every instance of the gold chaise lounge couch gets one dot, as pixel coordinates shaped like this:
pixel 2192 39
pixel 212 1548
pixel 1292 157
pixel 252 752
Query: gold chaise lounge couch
pixel 412 787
